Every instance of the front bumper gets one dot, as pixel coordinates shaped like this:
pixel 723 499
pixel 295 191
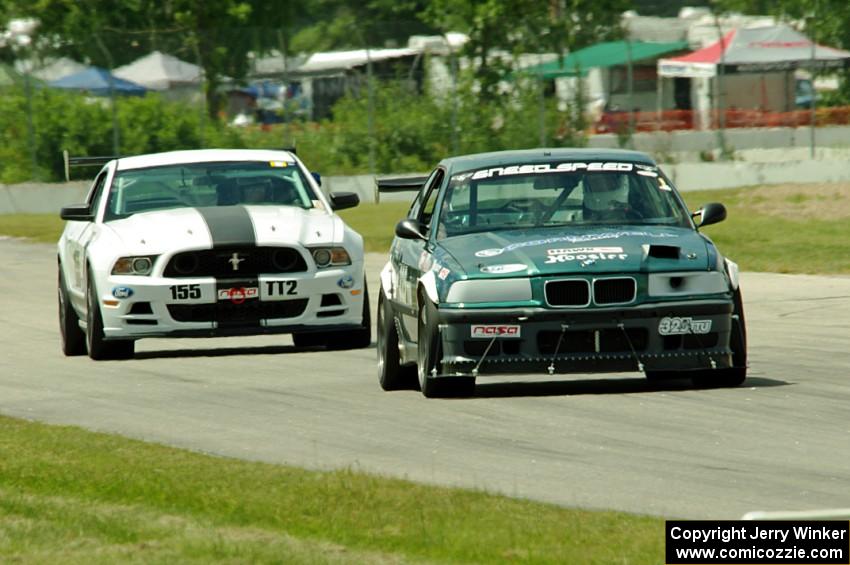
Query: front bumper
pixel 652 337
pixel 205 307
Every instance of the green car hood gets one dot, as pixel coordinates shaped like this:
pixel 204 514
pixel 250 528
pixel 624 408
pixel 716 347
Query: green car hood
pixel 609 249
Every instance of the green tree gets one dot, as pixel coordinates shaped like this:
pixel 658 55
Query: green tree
pixel 523 26
pixel 216 34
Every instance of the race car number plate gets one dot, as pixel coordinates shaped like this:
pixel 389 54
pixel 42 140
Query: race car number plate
pixel 238 294
pixel 491 331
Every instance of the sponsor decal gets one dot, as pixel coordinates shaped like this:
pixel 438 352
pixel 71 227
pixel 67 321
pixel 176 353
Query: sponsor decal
pixel 586 238
pixel 277 163
pixel 503 269
pixel 346 281
pixel 489 252
pixel 122 292
pixel 544 168
pixel 585 255
pixel 425 261
pixel 237 294
pixel 683 325
pixel 491 331
pixel 662 184
pixel 443 274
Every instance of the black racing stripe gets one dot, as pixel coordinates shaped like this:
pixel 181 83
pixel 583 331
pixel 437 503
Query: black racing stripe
pixel 229 225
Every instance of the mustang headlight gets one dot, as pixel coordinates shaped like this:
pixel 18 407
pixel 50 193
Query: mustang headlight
pixel 330 256
pixel 678 284
pixel 136 265
pixel 495 290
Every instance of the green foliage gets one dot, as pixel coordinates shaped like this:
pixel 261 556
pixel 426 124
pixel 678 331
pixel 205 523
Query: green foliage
pixel 409 131
pixel 83 126
pixel 523 26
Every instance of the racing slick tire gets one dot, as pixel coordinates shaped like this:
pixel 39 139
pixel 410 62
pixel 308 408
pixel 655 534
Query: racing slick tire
pixel 429 358
pixel 737 374
pixel 341 340
pixel 73 337
pixel 391 374
pixel 99 348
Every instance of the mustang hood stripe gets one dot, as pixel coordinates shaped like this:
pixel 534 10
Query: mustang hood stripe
pixel 229 225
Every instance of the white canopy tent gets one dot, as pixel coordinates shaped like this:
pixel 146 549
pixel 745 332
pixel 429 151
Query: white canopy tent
pixel 159 71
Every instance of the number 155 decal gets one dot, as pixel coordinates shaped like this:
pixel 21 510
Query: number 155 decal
pixel 185 291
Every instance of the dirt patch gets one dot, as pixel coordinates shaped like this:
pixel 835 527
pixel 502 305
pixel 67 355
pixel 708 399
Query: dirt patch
pixel 823 201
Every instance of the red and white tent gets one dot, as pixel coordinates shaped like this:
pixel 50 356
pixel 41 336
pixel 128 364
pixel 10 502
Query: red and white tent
pixel 768 49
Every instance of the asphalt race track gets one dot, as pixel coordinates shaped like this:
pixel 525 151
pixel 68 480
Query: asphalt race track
pixel 782 442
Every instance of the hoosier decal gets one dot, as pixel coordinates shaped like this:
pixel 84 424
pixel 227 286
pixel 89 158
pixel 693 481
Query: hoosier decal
pixel 683 325
pixel 585 254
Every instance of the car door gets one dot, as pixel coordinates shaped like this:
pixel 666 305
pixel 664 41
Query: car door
pixel 413 257
pixel 78 236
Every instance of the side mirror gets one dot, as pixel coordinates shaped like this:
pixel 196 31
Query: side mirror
pixel 711 214
pixel 77 213
pixel 409 229
pixel 318 178
pixel 343 200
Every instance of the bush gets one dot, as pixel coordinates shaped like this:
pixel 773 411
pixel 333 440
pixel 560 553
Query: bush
pixel 83 126
pixel 411 132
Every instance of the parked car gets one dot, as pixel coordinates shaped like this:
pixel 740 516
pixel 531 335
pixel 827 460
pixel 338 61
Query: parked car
pixel 209 243
pixel 555 261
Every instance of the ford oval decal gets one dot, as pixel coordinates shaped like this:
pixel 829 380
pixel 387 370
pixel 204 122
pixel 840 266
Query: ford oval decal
pixel 122 292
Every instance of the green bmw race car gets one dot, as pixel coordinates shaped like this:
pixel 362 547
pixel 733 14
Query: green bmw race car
pixel 555 261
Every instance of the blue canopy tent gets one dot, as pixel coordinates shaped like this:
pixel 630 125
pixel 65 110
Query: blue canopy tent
pixel 95 80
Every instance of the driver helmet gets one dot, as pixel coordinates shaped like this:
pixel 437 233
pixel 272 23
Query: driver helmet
pixel 605 191
pixel 255 192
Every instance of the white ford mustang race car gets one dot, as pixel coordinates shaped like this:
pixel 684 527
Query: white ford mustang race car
pixel 209 243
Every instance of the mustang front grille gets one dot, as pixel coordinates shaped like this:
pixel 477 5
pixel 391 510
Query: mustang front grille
pixel 614 291
pixel 573 292
pixel 251 311
pixel 235 262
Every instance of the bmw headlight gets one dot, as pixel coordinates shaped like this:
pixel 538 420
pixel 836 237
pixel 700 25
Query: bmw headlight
pixel 493 290
pixel 677 284
pixel 330 256
pixel 135 265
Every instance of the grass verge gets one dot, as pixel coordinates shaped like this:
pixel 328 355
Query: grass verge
pixel 762 233
pixel 72 496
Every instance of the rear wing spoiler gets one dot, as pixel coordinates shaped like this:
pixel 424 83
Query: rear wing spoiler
pixel 84 162
pixel 398 184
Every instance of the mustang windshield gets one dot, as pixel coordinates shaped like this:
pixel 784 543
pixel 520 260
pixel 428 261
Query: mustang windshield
pixel 276 183
pixel 558 194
